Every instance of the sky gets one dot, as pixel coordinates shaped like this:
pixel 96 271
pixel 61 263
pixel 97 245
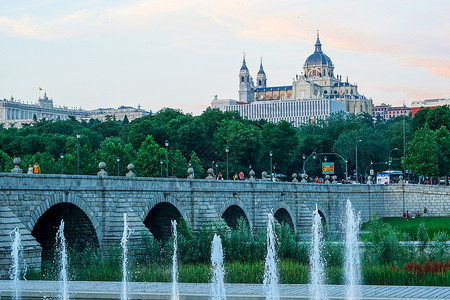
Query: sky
pixel 180 53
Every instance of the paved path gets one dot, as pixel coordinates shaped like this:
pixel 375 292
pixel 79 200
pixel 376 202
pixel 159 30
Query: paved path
pixel 189 291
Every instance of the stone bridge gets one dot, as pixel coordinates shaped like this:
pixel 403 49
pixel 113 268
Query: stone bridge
pixel 93 207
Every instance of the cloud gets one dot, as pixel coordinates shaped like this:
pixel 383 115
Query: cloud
pixel 439 67
pixel 139 15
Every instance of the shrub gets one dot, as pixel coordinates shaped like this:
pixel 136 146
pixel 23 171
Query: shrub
pixel 440 250
pixel 382 244
pixel 287 246
pixel 422 236
pixel 333 254
pixel 242 245
pixel 154 251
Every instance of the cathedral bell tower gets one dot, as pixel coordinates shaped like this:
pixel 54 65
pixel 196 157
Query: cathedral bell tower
pixel 261 79
pixel 245 84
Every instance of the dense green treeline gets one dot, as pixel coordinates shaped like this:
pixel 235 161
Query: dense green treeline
pixel 201 140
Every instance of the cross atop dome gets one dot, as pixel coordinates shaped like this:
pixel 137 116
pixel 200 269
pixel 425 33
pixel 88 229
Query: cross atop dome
pixel 318 44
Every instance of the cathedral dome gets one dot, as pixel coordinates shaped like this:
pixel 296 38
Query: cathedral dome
pixel 318 57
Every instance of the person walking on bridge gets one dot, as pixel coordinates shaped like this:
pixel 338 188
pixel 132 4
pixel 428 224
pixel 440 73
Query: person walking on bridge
pixel 36 168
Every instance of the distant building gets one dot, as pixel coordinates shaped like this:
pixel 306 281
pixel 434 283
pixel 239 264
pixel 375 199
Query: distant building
pixel 118 114
pixel 314 94
pixel 387 111
pixel 14 113
pixel 428 103
pixel 292 111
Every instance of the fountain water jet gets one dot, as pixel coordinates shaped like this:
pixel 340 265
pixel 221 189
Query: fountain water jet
pixel 317 264
pixel 352 264
pixel 270 281
pixel 16 256
pixel 218 271
pixel 175 292
pixel 124 244
pixel 61 242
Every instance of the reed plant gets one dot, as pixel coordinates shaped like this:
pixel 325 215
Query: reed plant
pixel 293 272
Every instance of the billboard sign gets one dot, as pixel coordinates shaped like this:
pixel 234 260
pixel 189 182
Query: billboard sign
pixel 328 168
pixel 383 178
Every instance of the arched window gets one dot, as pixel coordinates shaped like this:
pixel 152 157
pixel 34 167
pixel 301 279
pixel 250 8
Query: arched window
pixel 242 79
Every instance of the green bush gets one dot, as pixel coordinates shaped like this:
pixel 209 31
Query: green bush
pixel 242 245
pixel 439 249
pixel 422 236
pixel 288 247
pixel 333 253
pixel 90 264
pixel 154 251
pixel 382 245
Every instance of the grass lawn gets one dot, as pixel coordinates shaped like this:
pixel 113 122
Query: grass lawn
pixel 433 224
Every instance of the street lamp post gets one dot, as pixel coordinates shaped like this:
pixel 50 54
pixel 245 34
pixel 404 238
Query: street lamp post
pixel 167 158
pixel 217 173
pixel 271 154
pixel 118 161
pixel 346 169
pixel 78 152
pixel 390 159
pixel 62 163
pixel 356 150
pixel 161 163
pixel 304 157
pixel 227 149
pixel 371 168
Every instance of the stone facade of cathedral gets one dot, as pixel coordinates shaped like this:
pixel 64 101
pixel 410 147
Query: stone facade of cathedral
pixel 317 81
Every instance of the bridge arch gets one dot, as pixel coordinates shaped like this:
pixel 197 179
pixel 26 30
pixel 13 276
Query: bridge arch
pixel 78 228
pixel 322 212
pixel 159 213
pixel 283 214
pixel 234 209
pixel 65 198
pixel 323 220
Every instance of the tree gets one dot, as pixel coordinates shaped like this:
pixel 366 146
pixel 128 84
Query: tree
pixel 178 164
pixel 137 131
pixel 148 158
pixel 443 141
pixel 196 164
pixel 423 153
pixel 108 128
pixel 5 162
pixel 372 147
pixel 244 143
pixel 438 117
pixel 114 147
pixel 281 139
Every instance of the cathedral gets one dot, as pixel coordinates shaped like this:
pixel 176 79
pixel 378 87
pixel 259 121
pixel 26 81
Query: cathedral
pixel 317 81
